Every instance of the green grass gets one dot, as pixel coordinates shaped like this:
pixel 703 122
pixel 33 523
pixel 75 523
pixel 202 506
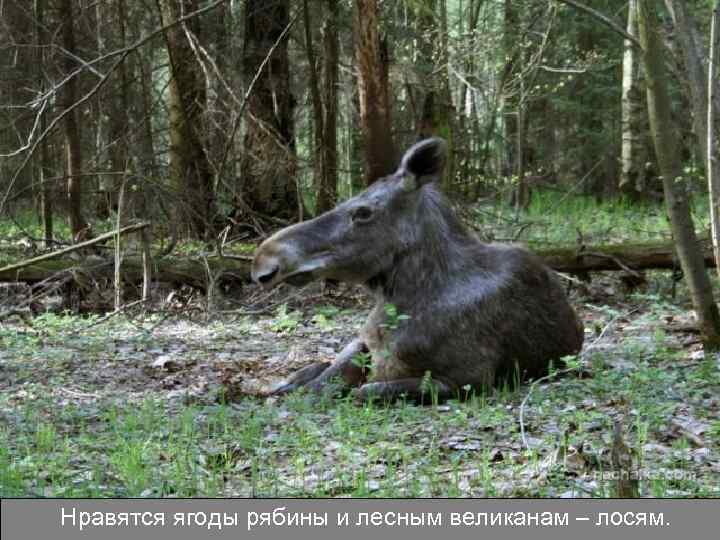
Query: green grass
pixel 556 218
pixel 130 443
pixel 553 218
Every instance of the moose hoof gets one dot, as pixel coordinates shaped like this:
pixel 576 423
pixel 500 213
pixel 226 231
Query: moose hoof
pixel 366 393
pixel 282 388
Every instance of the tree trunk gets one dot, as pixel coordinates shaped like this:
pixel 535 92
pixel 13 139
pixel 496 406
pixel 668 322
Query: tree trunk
pixel 268 165
pixel 314 90
pixel 437 111
pixel 147 144
pixel 324 199
pixel 118 106
pixel 327 194
pixel 515 107
pixel 633 156
pixel 46 199
pixel 510 101
pixel 71 135
pixel 713 164
pixel 190 170
pixel 693 62
pixel 373 65
pixel 663 133
pixel 354 135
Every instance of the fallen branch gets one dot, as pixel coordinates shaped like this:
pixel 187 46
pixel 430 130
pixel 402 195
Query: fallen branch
pixel 70 249
pixel 627 257
pixel 174 270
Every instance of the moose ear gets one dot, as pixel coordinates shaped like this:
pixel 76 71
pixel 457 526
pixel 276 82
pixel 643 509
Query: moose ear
pixel 424 162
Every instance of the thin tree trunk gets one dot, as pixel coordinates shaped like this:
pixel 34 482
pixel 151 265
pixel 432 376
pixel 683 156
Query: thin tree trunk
pixel 118 121
pixel 465 140
pixel 317 107
pixel 73 149
pixel 372 63
pixel 354 135
pixel 713 164
pixel 149 165
pixel 327 195
pixel 663 133
pixel 696 79
pixel 446 110
pixel 46 199
pixel 632 176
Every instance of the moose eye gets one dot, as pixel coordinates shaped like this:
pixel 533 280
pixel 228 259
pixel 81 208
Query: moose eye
pixel 362 213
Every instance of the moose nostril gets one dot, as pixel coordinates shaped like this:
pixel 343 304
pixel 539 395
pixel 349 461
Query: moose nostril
pixel 266 277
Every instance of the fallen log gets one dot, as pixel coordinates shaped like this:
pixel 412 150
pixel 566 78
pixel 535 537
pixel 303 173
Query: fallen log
pixel 193 271
pixel 175 270
pixel 627 257
pixel 74 247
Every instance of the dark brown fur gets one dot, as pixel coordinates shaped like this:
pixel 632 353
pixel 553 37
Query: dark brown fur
pixel 473 312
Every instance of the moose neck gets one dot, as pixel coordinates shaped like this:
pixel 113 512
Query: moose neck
pixel 434 253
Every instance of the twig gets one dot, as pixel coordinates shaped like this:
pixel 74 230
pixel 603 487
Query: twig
pixel 78 394
pixel 118 254
pixel 110 315
pixel 614 259
pixel 147 264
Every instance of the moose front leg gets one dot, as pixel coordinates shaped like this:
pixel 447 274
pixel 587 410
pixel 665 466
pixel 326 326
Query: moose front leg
pixel 415 388
pixel 316 377
pixel 300 378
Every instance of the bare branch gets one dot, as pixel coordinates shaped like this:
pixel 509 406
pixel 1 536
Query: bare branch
pixel 607 21
pixel 122 53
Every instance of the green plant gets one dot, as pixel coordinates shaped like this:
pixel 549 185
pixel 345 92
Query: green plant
pixel 285 321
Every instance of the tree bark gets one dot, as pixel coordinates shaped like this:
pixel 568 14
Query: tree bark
pixel 633 156
pixel 46 199
pixel 118 106
pixel 510 101
pixel 325 184
pixel 71 132
pixel 437 111
pixel 685 31
pixel 354 135
pixel 713 163
pixel 268 165
pixel 373 87
pixel 327 193
pixel 190 170
pixel 663 133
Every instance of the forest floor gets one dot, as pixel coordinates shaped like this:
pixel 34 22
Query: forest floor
pixel 170 404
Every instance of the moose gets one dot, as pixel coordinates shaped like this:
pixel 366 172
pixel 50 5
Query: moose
pixel 451 311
